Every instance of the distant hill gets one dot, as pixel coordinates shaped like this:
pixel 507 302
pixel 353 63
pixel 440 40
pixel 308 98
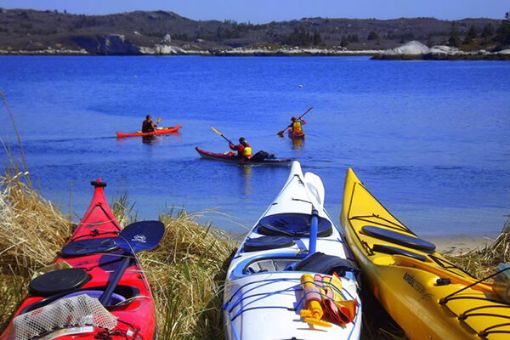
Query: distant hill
pixel 129 33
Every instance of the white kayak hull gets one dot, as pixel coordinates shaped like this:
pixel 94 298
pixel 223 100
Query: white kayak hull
pixel 261 299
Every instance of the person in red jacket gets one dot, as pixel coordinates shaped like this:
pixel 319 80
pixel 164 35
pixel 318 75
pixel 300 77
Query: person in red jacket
pixel 243 148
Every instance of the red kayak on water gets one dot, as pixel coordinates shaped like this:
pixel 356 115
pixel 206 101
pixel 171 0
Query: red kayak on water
pixel 158 132
pixel 68 303
pixel 231 157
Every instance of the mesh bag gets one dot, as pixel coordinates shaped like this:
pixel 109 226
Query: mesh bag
pixel 76 311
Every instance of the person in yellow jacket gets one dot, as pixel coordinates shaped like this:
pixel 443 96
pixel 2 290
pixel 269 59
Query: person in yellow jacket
pixel 296 127
pixel 243 149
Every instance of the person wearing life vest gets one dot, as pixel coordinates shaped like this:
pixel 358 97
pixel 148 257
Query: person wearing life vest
pixel 243 149
pixel 148 125
pixel 296 127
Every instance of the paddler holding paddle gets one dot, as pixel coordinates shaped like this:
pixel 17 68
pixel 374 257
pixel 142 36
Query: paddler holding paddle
pixel 148 125
pixel 295 128
pixel 243 148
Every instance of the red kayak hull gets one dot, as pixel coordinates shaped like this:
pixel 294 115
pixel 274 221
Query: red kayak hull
pixel 136 319
pixel 164 131
pixel 233 159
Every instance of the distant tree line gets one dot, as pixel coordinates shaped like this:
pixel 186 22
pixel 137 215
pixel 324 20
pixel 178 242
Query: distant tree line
pixel 303 37
pixel 484 36
pixel 347 39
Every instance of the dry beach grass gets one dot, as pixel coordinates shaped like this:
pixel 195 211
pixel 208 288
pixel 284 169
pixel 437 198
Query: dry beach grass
pixel 31 232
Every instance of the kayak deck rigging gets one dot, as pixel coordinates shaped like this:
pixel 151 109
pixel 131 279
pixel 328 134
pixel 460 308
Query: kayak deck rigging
pixel 266 277
pixel 427 295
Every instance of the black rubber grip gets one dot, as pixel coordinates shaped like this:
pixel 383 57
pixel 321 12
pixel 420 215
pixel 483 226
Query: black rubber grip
pixel 97 184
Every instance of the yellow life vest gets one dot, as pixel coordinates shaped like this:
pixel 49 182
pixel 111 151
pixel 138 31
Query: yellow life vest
pixel 297 127
pixel 247 151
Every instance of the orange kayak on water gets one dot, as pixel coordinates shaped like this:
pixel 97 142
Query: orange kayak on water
pixel 296 134
pixel 158 132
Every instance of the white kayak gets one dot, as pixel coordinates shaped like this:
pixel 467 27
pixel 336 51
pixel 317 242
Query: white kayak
pixel 276 289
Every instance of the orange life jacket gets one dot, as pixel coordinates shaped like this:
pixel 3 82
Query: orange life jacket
pixel 297 127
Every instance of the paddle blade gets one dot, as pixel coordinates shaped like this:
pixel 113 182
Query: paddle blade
pixel 139 236
pixel 280 133
pixel 315 187
pixel 158 120
pixel 216 131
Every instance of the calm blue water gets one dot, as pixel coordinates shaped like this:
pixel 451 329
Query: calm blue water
pixel 430 139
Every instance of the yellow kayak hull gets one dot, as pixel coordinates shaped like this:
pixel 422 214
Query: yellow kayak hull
pixel 416 285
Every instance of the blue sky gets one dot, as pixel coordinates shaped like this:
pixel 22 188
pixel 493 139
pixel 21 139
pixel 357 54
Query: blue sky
pixel 267 10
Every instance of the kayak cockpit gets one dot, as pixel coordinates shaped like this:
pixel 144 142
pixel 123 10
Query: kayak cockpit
pixel 317 263
pixel 270 265
pixel 278 262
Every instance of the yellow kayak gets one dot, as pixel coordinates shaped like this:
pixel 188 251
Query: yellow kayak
pixel 424 293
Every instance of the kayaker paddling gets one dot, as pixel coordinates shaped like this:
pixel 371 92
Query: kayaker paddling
pixel 244 153
pixel 159 131
pixel 295 129
pixel 296 126
pixel 148 125
pixel 243 149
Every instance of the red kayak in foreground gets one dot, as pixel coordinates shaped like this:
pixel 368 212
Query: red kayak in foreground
pixel 230 157
pixel 65 303
pixel 158 132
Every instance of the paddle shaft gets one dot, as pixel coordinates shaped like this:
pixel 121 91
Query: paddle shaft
pixel 116 276
pixel 309 109
pixel 228 140
pixel 314 230
pixel 221 135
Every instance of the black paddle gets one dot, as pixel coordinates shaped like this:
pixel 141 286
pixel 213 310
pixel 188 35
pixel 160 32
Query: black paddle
pixel 281 132
pixel 134 238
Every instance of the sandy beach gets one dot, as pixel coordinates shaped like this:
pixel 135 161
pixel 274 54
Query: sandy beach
pixel 460 244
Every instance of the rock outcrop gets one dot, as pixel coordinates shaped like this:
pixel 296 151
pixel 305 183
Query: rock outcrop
pixel 410 48
pixel 111 44
pixel 417 50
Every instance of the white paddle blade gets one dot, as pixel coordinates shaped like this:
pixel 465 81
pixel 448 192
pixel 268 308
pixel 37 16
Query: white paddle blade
pixel 316 189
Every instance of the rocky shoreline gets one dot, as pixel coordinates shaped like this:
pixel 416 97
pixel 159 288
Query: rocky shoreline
pixel 414 50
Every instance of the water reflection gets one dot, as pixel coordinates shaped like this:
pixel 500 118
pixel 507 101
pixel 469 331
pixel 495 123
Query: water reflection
pixel 297 143
pixel 149 139
pixel 246 174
